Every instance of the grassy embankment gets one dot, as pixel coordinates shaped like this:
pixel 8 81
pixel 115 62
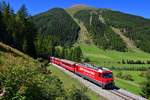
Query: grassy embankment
pixel 12 57
pixel 111 58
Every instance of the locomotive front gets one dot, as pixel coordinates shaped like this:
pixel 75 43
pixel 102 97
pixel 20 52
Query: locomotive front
pixel 107 79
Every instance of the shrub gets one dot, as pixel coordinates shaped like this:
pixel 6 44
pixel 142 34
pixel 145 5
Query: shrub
pixel 124 76
pixel 130 68
pixel 77 94
pixel 127 77
pixel 119 62
pixel 119 74
pixel 148 62
pixel 40 59
pixel 86 59
pixel 145 86
pixel 142 74
pixel 133 62
pixel 30 84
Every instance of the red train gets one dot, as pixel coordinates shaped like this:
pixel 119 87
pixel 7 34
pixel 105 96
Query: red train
pixel 99 75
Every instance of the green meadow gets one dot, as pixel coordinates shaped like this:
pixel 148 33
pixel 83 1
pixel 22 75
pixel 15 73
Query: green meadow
pixel 111 58
pixel 132 86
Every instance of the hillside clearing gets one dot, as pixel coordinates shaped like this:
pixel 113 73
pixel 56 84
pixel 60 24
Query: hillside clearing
pixel 84 36
pixel 129 43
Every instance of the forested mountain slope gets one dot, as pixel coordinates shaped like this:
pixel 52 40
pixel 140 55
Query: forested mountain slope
pixel 63 27
pixel 99 21
pixel 59 25
pixel 103 36
pixel 135 27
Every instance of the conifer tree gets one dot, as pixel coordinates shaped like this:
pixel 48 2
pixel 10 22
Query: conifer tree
pixel 26 32
pixel 78 54
pixel 7 19
pixel 1 28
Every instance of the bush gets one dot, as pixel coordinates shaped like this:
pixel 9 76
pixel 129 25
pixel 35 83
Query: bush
pixel 86 60
pixel 133 62
pixel 124 76
pixel 40 59
pixel 119 74
pixel 77 94
pixel 148 62
pixel 142 74
pixel 30 84
pixel 130 68
pixel 145 86
pixel 127 77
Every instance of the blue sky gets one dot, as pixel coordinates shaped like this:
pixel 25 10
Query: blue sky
pixel 136 7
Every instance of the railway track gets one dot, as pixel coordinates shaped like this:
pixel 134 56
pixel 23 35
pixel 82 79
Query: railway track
pixel 122 95
pixel 107 94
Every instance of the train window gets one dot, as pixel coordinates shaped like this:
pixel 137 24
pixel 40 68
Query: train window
pixel 107 75
pixel 100 75
pixel 66 63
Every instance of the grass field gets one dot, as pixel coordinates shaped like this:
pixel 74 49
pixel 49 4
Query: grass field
pixel 111 58
pixel 69 82
pixel 129 86
pixel 133 86
pixel 135 75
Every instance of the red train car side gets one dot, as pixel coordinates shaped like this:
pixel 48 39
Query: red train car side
pixel 69 65
pixel 55 60
pixel 99 75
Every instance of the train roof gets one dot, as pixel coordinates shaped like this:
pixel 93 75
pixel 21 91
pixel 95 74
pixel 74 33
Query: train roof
pixel 68 61
pixel 54 57
pixel 97 68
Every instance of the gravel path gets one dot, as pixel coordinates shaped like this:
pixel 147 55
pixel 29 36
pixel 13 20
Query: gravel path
pixel 102 92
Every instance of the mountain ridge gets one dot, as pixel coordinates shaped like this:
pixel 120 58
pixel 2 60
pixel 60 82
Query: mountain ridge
pixel 98 23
